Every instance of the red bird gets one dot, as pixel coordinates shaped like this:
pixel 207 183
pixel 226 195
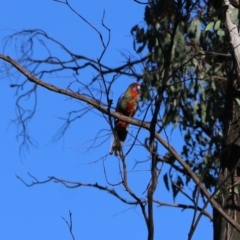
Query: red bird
pixel 127 105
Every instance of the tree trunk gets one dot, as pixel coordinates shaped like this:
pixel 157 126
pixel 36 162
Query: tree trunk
pixel 228 193
pixel 228 196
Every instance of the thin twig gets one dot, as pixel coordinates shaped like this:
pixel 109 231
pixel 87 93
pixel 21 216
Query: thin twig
pixel 69 224
pixel 99 106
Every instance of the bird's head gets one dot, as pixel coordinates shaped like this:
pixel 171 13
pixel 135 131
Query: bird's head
pixel 135 88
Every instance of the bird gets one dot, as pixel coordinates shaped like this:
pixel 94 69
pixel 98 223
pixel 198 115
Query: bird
pixel 127 105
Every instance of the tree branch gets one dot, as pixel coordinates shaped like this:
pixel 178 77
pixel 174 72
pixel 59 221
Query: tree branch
pixel 184 206
pixel 99 106
pixel 71 184
pixel 69 224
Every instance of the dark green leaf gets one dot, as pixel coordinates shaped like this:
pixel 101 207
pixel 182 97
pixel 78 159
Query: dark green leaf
pixel 165 179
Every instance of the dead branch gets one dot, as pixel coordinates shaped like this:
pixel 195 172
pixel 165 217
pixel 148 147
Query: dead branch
pixel 71 184
pixel 100 107
pixel 69 224
pixel 184 206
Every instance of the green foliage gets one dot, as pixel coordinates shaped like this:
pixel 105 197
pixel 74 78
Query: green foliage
pixel 238 101
pixel 185 48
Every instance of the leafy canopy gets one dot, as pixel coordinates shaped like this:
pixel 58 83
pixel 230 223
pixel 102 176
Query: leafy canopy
pixel 188 65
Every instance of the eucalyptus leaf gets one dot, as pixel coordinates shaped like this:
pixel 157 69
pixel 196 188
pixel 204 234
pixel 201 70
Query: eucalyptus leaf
pixel 217 25
pixel 238 101
pixel 221 32
pixel 209 26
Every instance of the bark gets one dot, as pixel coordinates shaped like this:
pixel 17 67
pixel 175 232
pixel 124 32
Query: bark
pixel 228 193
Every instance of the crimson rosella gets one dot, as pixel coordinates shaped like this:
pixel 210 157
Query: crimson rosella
pixel 127 105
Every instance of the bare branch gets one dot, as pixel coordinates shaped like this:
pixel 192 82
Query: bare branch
pixel 184 206
pixel 97 105
pixel 71 184
pixel 69 224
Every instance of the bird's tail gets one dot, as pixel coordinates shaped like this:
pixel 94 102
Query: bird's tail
pixel 116 146
pixel 119 137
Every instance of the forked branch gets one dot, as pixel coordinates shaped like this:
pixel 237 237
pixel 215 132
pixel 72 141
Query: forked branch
pixel 100 107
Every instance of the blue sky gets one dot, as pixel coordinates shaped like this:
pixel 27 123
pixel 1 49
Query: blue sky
pixel 36 212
